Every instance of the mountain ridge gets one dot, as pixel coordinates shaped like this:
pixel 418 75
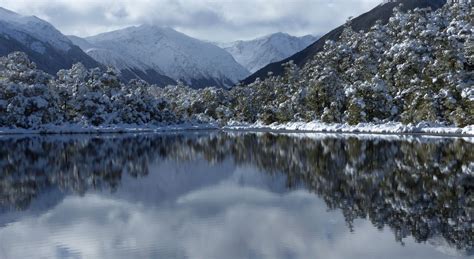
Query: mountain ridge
pixel 165 50
pixel 259 52
pixel 129 67
pixel 44 44
pixel 363 22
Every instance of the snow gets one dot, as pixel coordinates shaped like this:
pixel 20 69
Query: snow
pixel 16 25
pixel 372 128
pixel 257 53
pixel 468 93
pixel 110 57
pixel 165 50
pixel 299 128
pixel 341 84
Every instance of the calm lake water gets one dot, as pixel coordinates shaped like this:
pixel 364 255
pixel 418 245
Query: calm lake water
pixel 236 195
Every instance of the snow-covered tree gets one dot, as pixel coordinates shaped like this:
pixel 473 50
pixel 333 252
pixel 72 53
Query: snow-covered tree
pixel 26 97
pixel 416 68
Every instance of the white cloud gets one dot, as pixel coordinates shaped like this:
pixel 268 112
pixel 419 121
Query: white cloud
pixel 268 225
pixel 206 19
pixel 235 217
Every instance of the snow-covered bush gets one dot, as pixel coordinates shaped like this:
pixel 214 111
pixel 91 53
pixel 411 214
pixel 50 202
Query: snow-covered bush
pixel 96 97
pixel 416 68
pixel 30 98
pixel 26 97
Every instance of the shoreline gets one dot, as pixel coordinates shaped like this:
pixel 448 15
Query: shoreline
pixel 115 129
pixel 391 129
pixel 415 134
pixel 386 129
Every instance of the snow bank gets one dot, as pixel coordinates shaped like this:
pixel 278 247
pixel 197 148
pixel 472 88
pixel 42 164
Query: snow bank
pixel 371 128
pixel 303 127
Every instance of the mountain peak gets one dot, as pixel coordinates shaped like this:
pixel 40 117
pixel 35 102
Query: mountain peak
pixel 13 17
pixel 44 44
pixel 6 11
pixel 277 35
pixel 153 27
pixel 257 53
pixel 166 50
pixel 142 33
pixel 36 27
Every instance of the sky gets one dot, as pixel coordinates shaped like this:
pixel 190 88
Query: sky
pixel 212 20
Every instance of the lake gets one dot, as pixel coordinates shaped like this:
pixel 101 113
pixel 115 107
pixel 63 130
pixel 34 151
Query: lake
pixel 236 195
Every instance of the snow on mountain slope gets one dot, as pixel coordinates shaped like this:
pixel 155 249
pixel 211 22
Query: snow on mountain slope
pixel 257 53
pixel 45 45
pixel 81 43
pixel 129 66
pixel 165 50
pixel 108 57
pixel 35 27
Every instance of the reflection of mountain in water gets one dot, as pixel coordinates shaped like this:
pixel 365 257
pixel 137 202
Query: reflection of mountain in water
pixel 420 188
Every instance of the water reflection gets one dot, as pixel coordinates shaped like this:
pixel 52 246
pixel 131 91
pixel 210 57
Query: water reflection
pixel 201 195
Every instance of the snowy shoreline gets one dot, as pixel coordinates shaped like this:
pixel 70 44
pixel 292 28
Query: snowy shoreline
pixel 392 128
pixel 364 128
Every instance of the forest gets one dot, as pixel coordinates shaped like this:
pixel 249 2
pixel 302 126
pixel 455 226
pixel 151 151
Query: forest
pixel 417 68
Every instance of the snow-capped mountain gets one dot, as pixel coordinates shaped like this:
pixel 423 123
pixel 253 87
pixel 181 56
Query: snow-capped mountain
pixel 129 66
pixel 257 53
pixel 165 51
pixel 43 43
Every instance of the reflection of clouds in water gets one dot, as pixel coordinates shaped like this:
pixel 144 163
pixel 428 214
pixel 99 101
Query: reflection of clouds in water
pixel 204 197
pixel 169 179
pixel 246 222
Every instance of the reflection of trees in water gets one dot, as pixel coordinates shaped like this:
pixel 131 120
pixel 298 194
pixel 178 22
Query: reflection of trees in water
pixel 422 189
pixel 30 165
pixel 418 188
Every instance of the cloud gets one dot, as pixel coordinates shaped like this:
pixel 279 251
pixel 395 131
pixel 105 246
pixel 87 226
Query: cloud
pixel 216 20
pixel 239 215
pixel 221 221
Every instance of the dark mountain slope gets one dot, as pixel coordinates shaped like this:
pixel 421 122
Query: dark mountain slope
pixel 46 46
pixel 52 60
pixel 362 22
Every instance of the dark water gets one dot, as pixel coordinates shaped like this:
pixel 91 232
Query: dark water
pixel 229 195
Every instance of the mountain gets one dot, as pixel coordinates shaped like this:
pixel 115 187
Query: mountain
pixel 150 49
pixel 44 44
pixel 363 22
pixel 129 66
pixel 257 53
